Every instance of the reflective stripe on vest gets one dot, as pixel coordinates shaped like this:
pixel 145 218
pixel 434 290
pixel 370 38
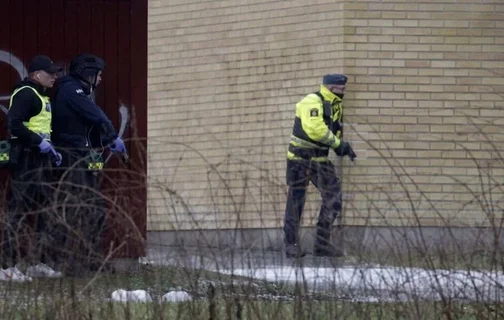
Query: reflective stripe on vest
pixel 40 123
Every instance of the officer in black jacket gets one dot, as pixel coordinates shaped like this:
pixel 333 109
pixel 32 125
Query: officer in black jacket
pixel 31 154
pixel 77 122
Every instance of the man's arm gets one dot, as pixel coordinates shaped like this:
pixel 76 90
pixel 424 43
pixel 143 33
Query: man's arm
pixel 338 122
pixel 25 104
pixel 311 112
pixel 93 114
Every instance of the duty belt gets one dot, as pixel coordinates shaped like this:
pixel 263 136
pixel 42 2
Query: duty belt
pixel 307 153
pixel 45 136
pixel 95 166
pixel 4 152
pixel 95 162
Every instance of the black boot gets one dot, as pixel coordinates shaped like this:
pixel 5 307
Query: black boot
pixel 323 247
pixel 328 250
pixel 294 251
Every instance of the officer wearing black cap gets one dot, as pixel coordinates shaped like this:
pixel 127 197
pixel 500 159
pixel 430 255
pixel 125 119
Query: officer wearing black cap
pixel 81 130
pixel 318 127
pixel 30 159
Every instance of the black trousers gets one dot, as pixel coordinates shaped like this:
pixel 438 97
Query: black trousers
pixel 81 209
pixel 323 176
pixel 30 199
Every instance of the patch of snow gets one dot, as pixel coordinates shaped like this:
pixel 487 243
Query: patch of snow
pixel 122 295
pixel 366 299
pixel 145 261
pixel 271 297
pixel 176 296
pixel 388 281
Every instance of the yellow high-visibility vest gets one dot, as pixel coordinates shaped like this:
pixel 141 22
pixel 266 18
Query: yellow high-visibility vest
pixel 41 123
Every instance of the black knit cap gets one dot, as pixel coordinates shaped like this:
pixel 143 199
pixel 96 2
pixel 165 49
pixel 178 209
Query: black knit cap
pixel 335 78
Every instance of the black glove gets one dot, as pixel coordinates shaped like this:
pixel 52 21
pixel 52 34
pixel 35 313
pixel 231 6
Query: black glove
pixel 345 149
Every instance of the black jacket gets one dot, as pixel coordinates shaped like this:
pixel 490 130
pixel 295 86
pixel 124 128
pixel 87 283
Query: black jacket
pixel 25 105
pixel 76 118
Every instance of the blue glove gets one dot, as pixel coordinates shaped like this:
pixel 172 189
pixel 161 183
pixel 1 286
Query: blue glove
pixel 57 158
pixel 118 146
pixel 45 147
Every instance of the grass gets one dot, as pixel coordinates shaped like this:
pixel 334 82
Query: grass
pixel 156 280
pixel 232 298
pixel 251 309
pixel 60 298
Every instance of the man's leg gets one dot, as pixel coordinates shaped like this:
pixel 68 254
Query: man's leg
pixel 42 196
pixel 15 231
pixel 297 180
pixel 44 249
pixel 13 221
pixel 60 193
pixel 15 234
pixel 325 179
pixel 93 223
pixel 67 227
pixel 84 221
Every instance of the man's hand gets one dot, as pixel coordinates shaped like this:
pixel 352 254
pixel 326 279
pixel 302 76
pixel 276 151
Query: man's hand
pixel 56 158
pixel 45 147
pixel 345 149
pixel 351 154
pixel 118 146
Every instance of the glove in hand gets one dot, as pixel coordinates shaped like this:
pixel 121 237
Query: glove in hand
pixel 118 146
pixel 345 149
pixel 45 147
pixel 57 158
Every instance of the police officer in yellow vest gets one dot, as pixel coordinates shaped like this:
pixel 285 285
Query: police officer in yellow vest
pixel 318 128
pixel 30 160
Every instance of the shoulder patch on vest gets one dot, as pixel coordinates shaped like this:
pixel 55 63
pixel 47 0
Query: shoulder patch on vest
pixel 314 112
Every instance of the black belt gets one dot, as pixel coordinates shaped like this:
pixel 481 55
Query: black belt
pixel 307 153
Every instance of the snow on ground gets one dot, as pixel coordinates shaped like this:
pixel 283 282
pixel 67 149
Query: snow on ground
pixel 345 278
pixel 177 296
pixel 387 283
pixel 122 295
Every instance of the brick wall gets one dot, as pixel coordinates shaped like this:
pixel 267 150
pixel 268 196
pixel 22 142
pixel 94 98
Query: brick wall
pixel 427 87
pixel 422 107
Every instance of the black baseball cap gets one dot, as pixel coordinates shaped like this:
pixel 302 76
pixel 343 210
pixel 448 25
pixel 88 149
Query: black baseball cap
pixel 43 63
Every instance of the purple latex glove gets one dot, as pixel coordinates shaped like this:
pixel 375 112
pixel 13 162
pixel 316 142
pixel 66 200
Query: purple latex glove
pixel 45 147
pixel 56 159
pixel 118 146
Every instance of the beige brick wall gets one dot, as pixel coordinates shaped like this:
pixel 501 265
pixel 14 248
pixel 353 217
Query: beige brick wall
pixel 427 85
pixel 424 108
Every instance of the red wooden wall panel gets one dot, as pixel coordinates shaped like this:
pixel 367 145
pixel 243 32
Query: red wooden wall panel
pixel 117 31
pixel 7 76
pixel 138 62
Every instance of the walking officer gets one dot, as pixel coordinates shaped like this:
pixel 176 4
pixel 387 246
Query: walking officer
pixel 318 127
pixel 30 161
pixel 80 128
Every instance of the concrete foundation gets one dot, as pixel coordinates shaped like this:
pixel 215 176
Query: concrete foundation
pixel 125 264
pixel 354 239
